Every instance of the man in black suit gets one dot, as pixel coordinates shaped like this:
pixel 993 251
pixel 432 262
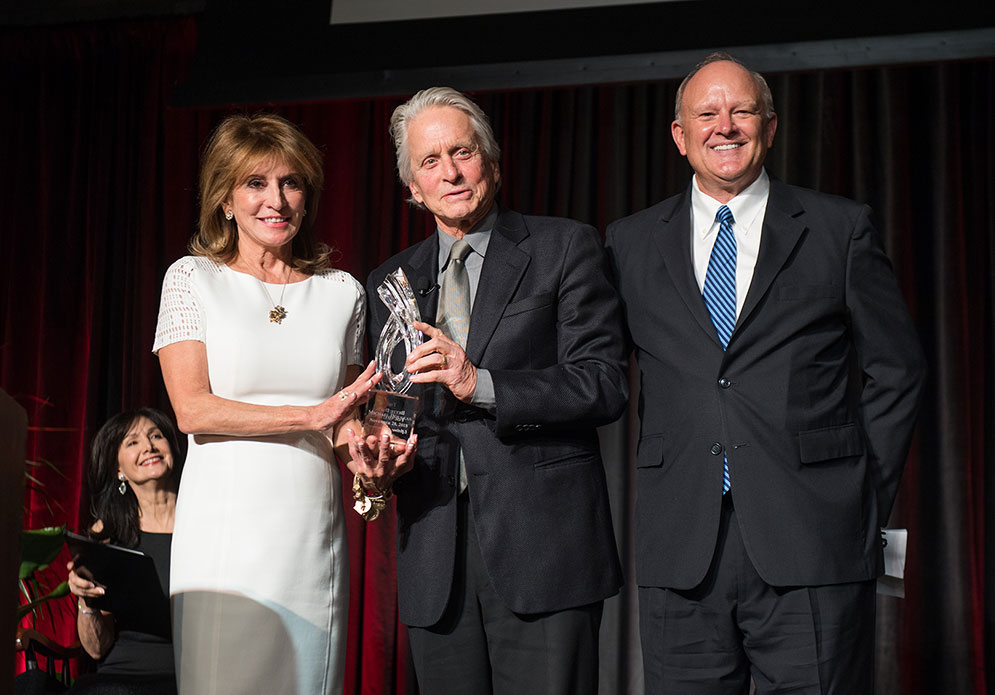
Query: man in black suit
pixel 780 377
pixel 505 544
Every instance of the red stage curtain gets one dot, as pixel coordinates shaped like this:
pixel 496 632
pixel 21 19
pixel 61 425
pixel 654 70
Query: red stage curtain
pixel 100 197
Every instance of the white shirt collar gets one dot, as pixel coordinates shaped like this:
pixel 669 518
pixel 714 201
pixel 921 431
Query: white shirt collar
pixel 745 207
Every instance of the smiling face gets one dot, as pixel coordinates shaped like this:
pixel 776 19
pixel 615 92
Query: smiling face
pixel 144 454
pixel 268 203
pixel 450 174
pixel 722 129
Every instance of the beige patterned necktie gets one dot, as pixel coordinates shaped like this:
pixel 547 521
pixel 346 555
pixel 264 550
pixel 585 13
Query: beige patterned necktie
pixel 453 316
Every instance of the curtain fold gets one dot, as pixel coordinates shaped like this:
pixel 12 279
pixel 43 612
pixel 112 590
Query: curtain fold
pixel 100 197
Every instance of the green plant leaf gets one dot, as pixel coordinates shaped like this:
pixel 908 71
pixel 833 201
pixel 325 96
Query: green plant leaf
pixel 58 592
pixel 39 547
pixel 45 463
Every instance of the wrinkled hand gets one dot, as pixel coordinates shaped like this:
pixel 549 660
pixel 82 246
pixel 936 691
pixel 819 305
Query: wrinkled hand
pixel 340 406
pixel 380 461
pixel 441 360
pixel 83 588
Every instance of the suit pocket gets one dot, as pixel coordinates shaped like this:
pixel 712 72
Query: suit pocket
pixel 828 443
pixel 532 303
pixel 575 459
pixel 802 292
pixel 649 453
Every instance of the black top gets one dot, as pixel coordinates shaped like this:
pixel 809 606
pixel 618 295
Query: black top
pixel 144 644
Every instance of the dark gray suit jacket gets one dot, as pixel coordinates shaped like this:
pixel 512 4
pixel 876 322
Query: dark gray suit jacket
pixel 814 401
pixel 546 324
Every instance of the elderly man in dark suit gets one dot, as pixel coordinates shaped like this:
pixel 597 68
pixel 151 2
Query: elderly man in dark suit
pixel 780 376
pixel 505 542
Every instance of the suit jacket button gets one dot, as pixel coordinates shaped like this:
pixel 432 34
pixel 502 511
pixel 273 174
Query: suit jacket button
pixel 451 480
pixel 724 383
pixel 716 449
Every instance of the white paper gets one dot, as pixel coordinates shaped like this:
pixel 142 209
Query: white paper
pixel 895 541
pixel 894 551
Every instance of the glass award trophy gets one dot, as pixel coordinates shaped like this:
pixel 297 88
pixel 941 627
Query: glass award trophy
pixel 390 406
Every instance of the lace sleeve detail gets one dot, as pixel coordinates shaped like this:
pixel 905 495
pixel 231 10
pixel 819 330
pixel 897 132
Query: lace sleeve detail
pixel 180 313
pixel 353 338
pixel 357 327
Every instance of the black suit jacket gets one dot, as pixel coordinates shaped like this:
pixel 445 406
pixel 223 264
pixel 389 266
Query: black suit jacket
pixel 546 323
pixel 814 400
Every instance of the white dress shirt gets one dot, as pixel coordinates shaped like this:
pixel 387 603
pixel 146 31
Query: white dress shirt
pixel 748 209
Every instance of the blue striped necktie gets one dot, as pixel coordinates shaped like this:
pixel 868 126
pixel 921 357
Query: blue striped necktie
pixel 720 293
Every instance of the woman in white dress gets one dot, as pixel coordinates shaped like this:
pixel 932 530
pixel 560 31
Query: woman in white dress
pixel 256 337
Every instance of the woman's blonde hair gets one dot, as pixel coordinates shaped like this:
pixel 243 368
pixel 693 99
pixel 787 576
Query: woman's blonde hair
pixel 238 145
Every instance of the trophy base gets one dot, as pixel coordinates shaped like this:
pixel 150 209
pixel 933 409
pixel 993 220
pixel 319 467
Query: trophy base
pixel 395 411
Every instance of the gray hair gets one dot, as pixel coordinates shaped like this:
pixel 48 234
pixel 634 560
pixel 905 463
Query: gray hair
pixel 439 96
pixel 766 100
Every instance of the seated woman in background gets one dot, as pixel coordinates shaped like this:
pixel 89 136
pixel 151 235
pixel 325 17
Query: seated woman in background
pixel 133 474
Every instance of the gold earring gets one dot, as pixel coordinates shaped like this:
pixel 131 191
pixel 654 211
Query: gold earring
pixel 229 214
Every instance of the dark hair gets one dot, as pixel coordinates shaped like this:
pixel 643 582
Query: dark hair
pixel 119 513
pixel 238 144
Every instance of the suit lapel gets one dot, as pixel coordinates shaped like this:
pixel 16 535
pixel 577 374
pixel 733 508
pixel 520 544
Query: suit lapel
pixel 422 270
pixel 503 268
pixel 781 232
pixel 673 239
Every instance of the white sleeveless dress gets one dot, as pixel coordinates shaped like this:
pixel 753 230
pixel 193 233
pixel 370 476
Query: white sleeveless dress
pixel 259 579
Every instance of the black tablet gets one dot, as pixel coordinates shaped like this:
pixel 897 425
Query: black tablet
pixel 128 575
